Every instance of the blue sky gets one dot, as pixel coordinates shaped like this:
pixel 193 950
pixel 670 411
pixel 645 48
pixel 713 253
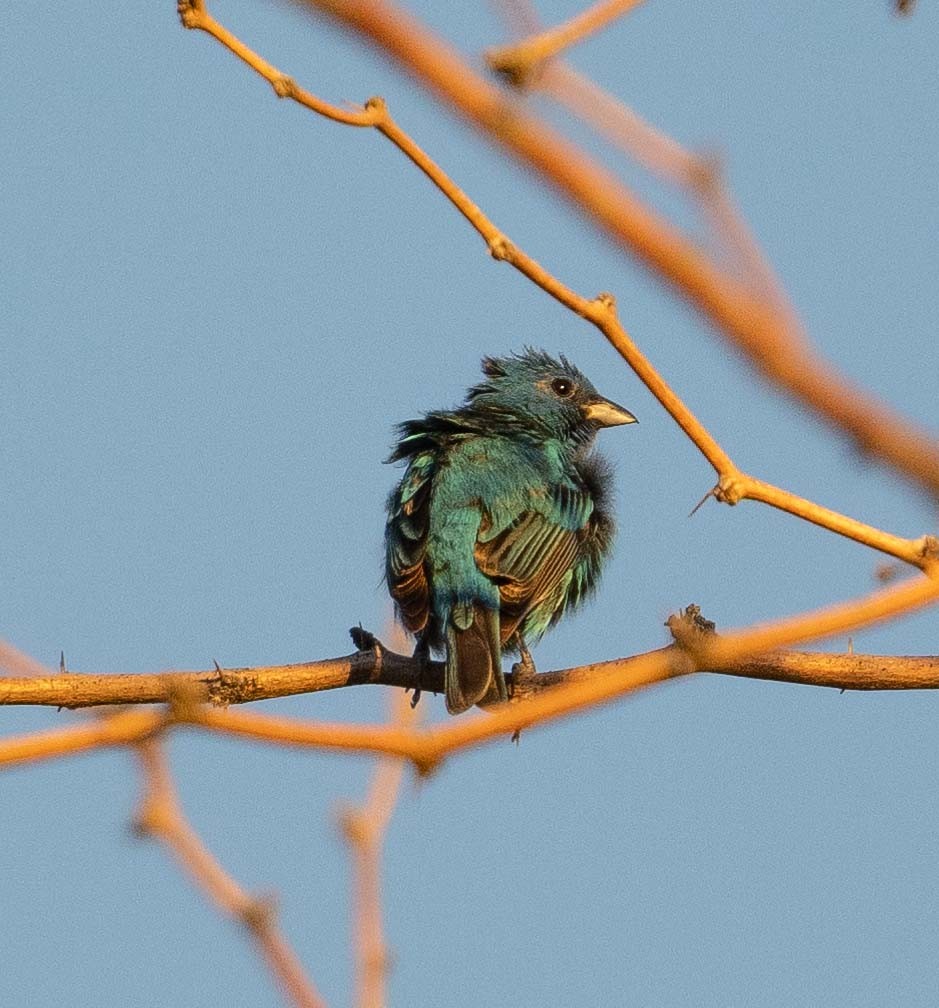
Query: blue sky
pixel 214 308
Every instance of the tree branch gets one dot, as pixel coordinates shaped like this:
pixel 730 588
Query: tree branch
pixel 160 816
pixel 522 61
pixel 733 484
pixel 364 829
pixel 381 667
pixel 756 328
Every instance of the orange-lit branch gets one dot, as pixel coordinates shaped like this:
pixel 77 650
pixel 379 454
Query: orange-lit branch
pixel 755 327
pixel 700 177
pixel 364 828
pixel 216 686
pixel 597 684
pixel 733 485
pixel 386 668
pixel 161 816
pixel 570 691
pixel 521 62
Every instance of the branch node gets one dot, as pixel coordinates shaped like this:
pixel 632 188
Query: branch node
pixel 606 301
pixel 258 913
pixel 151 819
pixel 354 826
pixel 284 86
pixel 378 106
pixel 227 688
pixel 515 70
pixel 500 248
pixel 730 489
pixel 425 765
pixel 190 13
pixel 689 629
pixel 928 549
pixel 706 173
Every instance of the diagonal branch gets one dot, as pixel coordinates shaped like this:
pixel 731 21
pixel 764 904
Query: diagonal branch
pixel 756 328
pixel 733 485
pixel 160 816
pixel 521 62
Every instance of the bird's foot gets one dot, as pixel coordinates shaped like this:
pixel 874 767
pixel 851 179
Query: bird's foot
pixel 421 656
pixel 524 669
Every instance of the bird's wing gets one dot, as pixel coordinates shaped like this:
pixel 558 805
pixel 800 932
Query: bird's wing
pixel 533 556
pixel 406 542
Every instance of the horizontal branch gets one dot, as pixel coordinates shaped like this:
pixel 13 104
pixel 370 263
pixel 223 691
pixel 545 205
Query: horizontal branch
pixel 379 666
pixel 547 697
pixel 221 687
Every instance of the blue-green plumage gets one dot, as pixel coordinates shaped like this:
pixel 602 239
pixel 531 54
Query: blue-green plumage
pixel 500 523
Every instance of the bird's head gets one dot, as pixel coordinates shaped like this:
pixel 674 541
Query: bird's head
pixel 548 397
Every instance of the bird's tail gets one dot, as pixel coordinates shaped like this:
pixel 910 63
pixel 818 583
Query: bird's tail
pixel 473 672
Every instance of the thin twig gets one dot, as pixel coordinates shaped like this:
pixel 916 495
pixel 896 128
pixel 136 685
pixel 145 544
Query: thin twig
pixel 522 61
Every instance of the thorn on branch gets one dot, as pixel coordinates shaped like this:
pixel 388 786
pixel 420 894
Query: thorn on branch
pixel 231 687
pixel 711 493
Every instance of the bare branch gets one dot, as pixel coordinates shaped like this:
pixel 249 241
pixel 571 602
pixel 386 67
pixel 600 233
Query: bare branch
pixel 756 328
pixel 160 816
pixel 733 485
pixel 364 829
pixel 521 62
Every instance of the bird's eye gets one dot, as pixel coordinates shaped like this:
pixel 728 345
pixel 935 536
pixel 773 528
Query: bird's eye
pixel 562 387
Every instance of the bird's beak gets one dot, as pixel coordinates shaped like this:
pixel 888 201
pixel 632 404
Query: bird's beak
pixel 604 413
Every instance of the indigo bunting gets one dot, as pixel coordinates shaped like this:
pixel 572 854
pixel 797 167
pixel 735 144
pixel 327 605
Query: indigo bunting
pixel 502 520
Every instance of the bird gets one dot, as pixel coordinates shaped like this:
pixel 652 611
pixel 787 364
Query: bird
pixel 502 519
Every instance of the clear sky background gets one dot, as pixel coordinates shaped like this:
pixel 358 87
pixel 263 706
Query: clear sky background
pixel 213 309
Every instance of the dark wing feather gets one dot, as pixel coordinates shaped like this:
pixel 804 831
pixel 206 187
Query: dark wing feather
pixel 532 558
pixel 406 542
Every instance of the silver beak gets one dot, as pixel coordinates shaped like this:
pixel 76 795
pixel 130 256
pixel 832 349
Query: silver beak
pixel 604 413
